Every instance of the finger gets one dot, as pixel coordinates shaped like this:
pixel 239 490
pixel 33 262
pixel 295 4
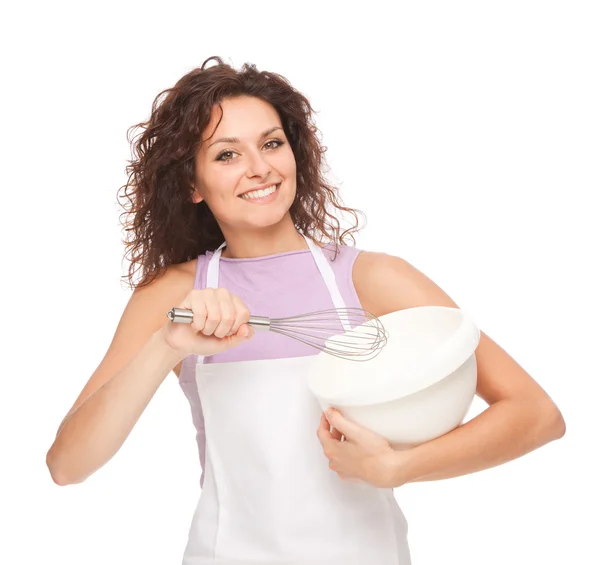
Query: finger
pixel 323 432
pixel 349 429
pixel 198 308
pixel 213 315
pixel 324 425
pixel 245 331
pixel 242 314
pixel 227 311
pixel 231 341
pixel 336 434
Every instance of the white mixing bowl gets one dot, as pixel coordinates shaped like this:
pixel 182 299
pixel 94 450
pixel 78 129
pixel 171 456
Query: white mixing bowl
pixel 419 387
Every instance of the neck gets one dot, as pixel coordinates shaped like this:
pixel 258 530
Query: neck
pixel 279 238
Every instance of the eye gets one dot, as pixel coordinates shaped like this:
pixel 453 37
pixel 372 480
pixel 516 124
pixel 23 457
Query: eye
pixel 277 141
pixel 221 156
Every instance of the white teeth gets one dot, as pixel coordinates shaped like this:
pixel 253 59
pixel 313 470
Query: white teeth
pixel 260 193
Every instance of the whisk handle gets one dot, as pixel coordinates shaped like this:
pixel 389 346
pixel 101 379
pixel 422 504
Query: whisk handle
pixel 180 316
pixel 260 322
pixel 184 316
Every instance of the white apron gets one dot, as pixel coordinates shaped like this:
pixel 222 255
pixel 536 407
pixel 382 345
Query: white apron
pixel 269 496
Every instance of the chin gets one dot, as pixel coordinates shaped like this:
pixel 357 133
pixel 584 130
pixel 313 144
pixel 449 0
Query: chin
pixel 267 220
pixel 264 216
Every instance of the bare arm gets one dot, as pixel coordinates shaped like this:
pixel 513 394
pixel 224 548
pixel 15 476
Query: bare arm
pixel 521 416
pixel 136 363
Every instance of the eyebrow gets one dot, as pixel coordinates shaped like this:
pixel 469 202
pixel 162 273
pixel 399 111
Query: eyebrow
pixel 236 140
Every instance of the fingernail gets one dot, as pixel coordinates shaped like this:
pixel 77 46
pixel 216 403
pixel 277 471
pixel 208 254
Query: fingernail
pixel 246 331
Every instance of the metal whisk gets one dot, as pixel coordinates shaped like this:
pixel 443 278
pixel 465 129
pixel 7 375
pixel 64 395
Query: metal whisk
pixel 322 330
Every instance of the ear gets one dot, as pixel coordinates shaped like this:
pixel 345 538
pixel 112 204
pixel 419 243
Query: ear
pixel 196 198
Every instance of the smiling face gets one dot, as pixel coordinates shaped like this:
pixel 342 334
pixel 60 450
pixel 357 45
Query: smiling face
pixel 245 169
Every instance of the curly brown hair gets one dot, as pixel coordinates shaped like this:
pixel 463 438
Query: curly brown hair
pixel 163 226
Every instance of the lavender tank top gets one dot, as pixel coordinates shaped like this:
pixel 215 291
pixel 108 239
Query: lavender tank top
pixel 277 286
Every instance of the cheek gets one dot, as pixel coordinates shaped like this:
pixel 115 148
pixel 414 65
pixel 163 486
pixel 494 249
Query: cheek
pixel 220 185
pixel 286 163
pixel 292 167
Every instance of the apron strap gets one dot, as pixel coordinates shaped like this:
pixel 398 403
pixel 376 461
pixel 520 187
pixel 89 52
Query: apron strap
pixel 212 271
pixel 329 277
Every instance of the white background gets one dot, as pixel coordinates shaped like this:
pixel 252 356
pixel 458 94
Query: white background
pixel 468 134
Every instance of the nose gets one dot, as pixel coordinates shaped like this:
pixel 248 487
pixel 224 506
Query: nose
pixel 258 165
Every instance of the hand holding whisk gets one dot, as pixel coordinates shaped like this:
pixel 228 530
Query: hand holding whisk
pixel 348 333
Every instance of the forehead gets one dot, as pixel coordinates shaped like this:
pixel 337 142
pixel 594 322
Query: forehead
pixel 242 117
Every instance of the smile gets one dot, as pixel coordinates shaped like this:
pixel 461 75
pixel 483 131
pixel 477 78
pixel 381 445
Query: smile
pixel 260 195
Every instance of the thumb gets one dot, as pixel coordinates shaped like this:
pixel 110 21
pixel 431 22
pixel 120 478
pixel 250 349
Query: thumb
pixel 221 344
pixel 244 333
pixel 346 427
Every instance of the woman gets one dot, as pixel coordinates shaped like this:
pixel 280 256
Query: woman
pixel 228 215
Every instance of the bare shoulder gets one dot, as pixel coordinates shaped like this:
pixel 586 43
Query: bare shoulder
pixel 171 286
pixel 173 280
pixel 145 312
pixel 149 304
pixel 386 283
